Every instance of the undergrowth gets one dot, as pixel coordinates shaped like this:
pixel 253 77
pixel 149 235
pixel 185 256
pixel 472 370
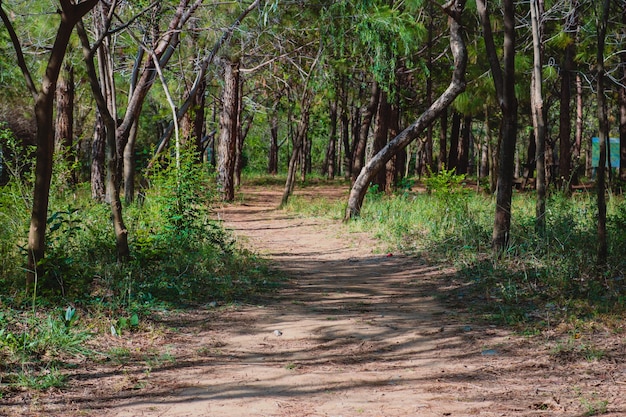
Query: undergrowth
pixel 180 256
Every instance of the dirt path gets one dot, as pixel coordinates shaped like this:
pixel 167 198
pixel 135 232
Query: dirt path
pixel 354 333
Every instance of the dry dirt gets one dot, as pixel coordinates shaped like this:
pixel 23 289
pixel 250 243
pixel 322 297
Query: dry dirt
pixel 355 332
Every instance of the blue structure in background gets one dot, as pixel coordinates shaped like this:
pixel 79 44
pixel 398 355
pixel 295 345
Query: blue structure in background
pixel 595 152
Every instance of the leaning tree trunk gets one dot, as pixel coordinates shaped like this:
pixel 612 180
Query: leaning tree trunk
pixel 228 132
pixel 457 85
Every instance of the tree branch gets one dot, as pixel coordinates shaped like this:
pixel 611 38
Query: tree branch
pixel 21 62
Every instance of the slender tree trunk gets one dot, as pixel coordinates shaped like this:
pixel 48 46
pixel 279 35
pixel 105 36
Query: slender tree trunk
pixel 381 130
pixel 44 109
pixel 457 85
pixel 298 144
pixel 464 146
pixel 453 155
pixel 358 157
pixel 331 151
pixel 228 131
pixel 397 164
pixel 603 133
pixel 504 82
pixel 443 139
pixel 64 130
pixel 272 165
pixel 239 128
pixel 565 124
pixel 98 171
pixel 539 124
pixel 622 111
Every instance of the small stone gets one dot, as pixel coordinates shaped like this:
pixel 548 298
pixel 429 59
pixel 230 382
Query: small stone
pixel 278 333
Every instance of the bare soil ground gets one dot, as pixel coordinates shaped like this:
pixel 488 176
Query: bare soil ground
pixel 355 332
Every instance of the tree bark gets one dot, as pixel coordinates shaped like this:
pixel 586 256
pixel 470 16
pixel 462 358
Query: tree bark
pixel 457 85
pixel 228 132
pixel 98 171
pixel 64 130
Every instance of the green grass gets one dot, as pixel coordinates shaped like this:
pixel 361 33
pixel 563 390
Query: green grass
pixel 180 257
pixel 539 279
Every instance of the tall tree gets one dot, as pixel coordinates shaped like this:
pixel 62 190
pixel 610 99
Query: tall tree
pixel 504 82
pixel 228 130
pixel 69 14
pixel 539 123
pixel 603 130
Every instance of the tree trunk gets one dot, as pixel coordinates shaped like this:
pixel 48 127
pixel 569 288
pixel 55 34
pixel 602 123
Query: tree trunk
pixel 397 164
pixel 381 130
pixel 239 138
pixel 272 165
pixel 228 132
pixel 331 151
pixel 565 124
pixel 298 144
pixel 64 130
pixel 443 139
pixel 98 171
pixel 622 112
pixel 537 109
pixel 457 85
pixel 464 146
pixel 603 134
pixel 358 157
pixel 453 155
pixel 44 110
pixel 504 82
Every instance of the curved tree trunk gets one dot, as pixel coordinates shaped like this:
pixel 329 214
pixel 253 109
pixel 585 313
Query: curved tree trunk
pixel 457 85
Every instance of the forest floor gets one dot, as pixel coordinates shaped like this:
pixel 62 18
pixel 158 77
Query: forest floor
pixel 355 331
